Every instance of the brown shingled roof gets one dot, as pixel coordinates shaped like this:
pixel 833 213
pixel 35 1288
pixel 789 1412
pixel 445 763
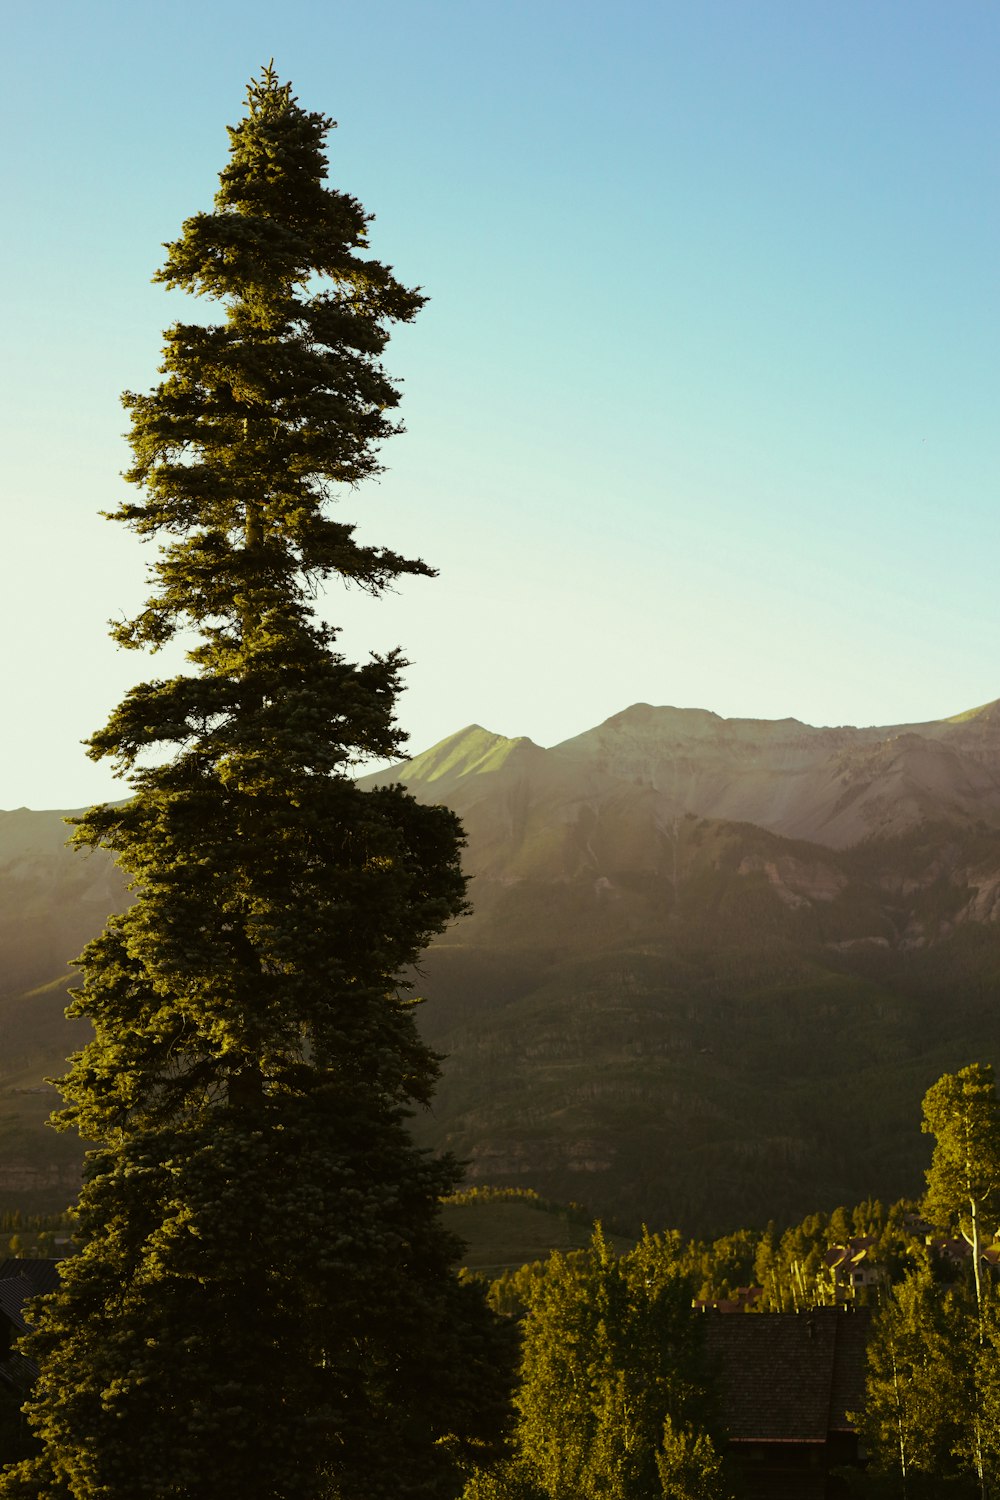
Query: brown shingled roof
pixel 849 1368
pixel 788 1377
pixel 14 1293
pixel 42 1273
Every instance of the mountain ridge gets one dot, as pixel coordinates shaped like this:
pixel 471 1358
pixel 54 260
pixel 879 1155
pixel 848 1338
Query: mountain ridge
pixel 711 966
pixel 695 942
pixel 835 786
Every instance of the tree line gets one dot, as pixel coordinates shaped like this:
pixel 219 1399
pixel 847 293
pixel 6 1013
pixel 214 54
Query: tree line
pixel 615 1398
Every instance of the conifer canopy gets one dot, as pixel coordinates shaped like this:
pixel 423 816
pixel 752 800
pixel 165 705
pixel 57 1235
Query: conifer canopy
pixel 263 1303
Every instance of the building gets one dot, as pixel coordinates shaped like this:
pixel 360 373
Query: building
pixel 851 1266
pixel 787 1384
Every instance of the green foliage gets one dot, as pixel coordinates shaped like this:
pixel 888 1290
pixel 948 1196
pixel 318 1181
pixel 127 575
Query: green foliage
pixel 611 1360
pixel 603 1413
pixel 932 1413
pixel 264 1300
pixel 718 1268
pixel 962 1112
pixel 917 1390
pixel 690 1467
pixel 35 1235
pixel 789 1266
pixel 932 1417
pixel 510 1480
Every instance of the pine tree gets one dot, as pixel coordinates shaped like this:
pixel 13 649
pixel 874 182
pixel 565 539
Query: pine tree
pixel 263 1304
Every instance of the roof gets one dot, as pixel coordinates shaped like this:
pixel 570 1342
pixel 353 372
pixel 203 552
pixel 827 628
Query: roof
pixel 42 1274
pixel 788 1377
pixel 849 1369
pixel 852 1253
pixel 14 1293
pixel 954 1249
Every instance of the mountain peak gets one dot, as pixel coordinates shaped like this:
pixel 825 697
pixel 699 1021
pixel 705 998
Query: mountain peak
pixel 469 751
pixel 643 714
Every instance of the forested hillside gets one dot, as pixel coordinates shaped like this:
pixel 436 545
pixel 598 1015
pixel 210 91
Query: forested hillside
pixel 669 1016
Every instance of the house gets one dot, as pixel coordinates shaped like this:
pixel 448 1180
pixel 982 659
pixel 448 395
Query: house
pixel 956 1250
pixel 852 1267
pixel 787 1383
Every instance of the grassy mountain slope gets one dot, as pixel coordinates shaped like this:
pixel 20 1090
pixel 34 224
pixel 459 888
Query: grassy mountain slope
pixel 503 1231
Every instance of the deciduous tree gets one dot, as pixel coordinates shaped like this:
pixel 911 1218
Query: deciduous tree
pixel 962 1112
pixel 932 1417
pixel 263 1304
pixel 918 1383
pixel 612 1397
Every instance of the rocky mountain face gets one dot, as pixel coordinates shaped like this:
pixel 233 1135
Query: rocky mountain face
pixel 835 787
pixel 712 964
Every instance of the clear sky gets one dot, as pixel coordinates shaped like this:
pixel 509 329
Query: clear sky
pixel 703 410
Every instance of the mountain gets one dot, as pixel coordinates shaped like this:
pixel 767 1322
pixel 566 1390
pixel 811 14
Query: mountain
pixel 52 901
pixel 712 965
pixel 834 787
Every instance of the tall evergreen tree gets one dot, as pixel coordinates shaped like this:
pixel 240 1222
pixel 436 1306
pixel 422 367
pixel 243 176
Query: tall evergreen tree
pixel 263 1304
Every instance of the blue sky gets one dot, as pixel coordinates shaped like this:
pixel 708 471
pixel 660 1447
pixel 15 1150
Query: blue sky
pixel 703 409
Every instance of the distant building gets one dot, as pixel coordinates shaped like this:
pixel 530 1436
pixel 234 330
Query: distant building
pixel 852 1266
pixel 956 1250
